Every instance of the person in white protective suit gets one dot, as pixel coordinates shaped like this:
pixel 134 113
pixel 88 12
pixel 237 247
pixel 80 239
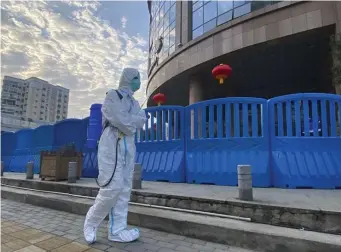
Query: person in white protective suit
pixel 122 115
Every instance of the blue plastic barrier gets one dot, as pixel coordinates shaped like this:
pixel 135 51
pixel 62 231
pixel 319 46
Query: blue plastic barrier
pixel 305 140
pixel 67 132
pixel 160 145
pixel 7 148
pixel 23 150
pixel 85 127
pixel 43 139
pixel 224 133
pixel 90 167
pixel 95 125
pixel 90 163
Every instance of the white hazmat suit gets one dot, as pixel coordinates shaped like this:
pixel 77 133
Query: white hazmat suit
pixel 125 116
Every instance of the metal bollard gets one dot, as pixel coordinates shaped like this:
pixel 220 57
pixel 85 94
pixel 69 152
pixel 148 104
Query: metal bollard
pixel 245 182
pixel 137 184
pixel 29 170
pixel 2 168
pixel 72 175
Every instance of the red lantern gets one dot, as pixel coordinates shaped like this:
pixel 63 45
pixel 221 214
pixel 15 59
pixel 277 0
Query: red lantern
pixel 221 72
pixel 159 99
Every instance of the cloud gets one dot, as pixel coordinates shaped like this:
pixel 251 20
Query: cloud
pixel 66 44
pixel 124 21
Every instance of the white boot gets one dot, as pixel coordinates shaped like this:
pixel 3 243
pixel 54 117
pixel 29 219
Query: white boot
pixel 90 234
pixel 126 235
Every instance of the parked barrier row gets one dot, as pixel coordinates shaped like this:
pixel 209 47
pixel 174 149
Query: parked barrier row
pixel 291 141
pixel 25 145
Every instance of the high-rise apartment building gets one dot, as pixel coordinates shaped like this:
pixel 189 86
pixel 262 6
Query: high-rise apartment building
pixel 34 99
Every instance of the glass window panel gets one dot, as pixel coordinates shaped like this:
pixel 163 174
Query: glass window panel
pixel 157 19
pixel 171 50
pixel 167 5
pixel 166 42
pixel 242 10
pixel 197 18
pixel 172 37
pixel 162 13
pixel 238 3
pixel 198 32
pixel 172 14
pixel 225 18
pixel 166 31
pixel 210 25
pixel 166 20
pixel 210 11
pixel 172 25
pixel 197 5
pixel 224 6
pixel 255 5
pixel 160 31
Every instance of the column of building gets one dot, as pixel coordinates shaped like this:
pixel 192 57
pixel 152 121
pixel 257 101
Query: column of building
pixel 337 48
pixel 196 94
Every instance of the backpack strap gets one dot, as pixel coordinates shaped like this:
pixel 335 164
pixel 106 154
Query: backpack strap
pixel 119 94
pixel 106 123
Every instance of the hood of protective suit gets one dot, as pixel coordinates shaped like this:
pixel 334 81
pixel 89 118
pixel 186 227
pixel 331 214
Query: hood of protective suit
pixel 128 77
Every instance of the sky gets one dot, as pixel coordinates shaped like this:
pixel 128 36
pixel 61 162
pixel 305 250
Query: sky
pixel 82 46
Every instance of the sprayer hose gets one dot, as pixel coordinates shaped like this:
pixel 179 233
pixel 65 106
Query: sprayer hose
pixel 113 174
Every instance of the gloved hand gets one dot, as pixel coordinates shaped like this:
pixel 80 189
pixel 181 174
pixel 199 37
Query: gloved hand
pixel 140 119
pixel 121 135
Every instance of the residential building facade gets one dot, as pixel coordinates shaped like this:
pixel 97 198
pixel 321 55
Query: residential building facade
pixel 33 100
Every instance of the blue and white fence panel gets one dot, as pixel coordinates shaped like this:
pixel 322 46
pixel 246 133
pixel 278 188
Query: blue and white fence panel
pixel 43 139
pixel 160 145
pixel 224 133
pixel 23 150
pixel 7 148
pixel 306 140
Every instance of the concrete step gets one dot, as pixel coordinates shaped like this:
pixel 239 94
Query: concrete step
pixel 260 237
pixel 258 211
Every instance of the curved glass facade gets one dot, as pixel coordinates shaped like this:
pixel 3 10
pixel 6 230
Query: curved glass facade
pixel 162 27
pixel 210 14
pixel 206 15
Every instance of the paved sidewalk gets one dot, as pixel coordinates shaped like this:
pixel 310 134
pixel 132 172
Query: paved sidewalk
pixel 27 228
pixel 328 200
